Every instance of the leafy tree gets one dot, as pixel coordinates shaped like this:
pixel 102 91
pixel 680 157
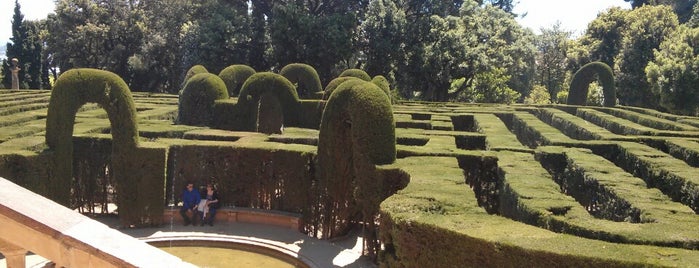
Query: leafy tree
pixel 295 29
pixel 157 63
pixel 382 31
pixel 602 39
pixel 674 73
pixel 218 36
pixel 551 58
pixel 683 8
pixel 647 27
pixel 538 95
pixel 98 34
pixel 26 46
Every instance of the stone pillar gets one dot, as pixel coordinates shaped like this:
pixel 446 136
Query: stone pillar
pixel 15 256
pixel 14 68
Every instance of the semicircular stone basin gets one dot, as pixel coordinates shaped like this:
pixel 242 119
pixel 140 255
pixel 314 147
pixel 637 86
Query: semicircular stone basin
pixel 230 251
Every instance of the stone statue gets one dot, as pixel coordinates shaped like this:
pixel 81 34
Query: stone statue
pixel 15 73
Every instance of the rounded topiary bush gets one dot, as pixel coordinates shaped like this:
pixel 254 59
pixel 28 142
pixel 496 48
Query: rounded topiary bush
pixel 194 70
pixel 198 97
pixel 579 86
pixel 383 84
pixel 358 73
pixel 73 89
pixel 234 76
pixel 357 132
pixel 304 76
pixel 335 83
pixel 267 84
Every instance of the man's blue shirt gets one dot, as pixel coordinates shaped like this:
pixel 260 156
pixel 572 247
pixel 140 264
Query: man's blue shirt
pixel 190 198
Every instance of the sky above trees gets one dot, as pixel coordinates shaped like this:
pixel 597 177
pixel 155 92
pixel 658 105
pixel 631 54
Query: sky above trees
pixel 573 15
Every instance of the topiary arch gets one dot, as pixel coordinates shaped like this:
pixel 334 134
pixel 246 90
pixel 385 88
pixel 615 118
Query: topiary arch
pixel 74 88
pixel 267 84
pixel 579 86
pixel 357 132
pixel 336 83
pixel 234 76
pixel 304 76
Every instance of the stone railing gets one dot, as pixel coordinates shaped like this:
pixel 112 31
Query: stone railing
pixel 30 222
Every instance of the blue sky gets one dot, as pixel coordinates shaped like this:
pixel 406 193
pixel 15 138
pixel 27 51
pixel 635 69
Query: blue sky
pixel 574 15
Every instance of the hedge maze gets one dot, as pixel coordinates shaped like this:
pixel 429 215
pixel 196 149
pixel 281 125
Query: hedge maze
pixel 463 184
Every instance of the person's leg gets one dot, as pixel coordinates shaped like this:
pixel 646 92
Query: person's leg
pixel 195 216
pixel 183 213
pixel 212 215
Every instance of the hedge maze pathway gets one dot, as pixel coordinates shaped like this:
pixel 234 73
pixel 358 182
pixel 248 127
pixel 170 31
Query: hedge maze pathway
pixel 494 185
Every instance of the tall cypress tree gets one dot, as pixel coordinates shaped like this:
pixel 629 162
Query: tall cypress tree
pixel 26 46
pixel 14 48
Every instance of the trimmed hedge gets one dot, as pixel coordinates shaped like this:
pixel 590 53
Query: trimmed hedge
pixel 304 76
pixel 334 84
pixel 266 84
pixel 358 73
pixel 72 90
pixel 194 70
pixel 357 131
pixel 579 86
pixel 383 84
pixel 196 105
pixel 234 76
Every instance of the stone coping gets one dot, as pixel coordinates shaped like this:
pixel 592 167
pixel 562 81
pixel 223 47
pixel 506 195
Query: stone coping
pixel 249 215
pixel 279 250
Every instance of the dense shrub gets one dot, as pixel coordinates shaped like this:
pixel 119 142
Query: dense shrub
pixel 579 86
pixel 358 73
pixel 194 70
pixel 357 131
pixel 234 76
pixel 73 89
pixel 383 84
pixel 264 85
pixel 304 76
pixel 334 84
pixel 198 97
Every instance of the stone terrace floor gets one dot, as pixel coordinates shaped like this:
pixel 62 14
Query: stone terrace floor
pixel 345 252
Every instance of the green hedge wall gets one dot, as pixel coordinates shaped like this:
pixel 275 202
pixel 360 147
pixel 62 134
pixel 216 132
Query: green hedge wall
pixel 234 76
pixel 304 76
pixel 194 70
pixel 196 105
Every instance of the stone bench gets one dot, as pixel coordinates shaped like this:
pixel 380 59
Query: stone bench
pixel 248 215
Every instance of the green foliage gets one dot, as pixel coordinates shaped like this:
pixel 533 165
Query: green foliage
pixel 234 76
pixel 552 45
pixel 196 104
pixel 602 39
pixel 335 83
pixel 194 70
pixel 357 131
pixel 647 27
pixel 91 34
pixel 336 25
pixel 265 84
pixel 383 84
pixel 305 78
pixel 539 95
pixel 26 45
pixel 674 73
pixel 219 37
pixel 383 28
pixel 486 87
pixel 73 89
pixel 358 73
pixel 579 86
